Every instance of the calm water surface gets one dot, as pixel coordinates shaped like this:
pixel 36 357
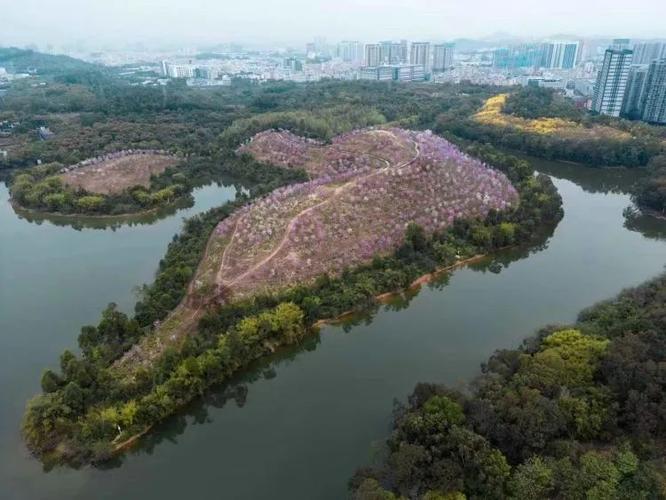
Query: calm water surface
pixel 296 426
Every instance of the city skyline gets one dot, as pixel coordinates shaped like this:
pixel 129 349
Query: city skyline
pixel 295 21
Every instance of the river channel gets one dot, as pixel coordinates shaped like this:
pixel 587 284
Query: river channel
pixel 297 425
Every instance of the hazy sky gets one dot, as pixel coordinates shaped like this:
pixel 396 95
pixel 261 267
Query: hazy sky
pixel 294 21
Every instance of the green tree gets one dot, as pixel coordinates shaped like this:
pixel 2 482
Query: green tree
pixel 532 480
pixel 91 203
pixel 50 382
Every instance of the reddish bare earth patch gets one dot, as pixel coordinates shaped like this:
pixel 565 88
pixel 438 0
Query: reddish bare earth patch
pixel 112 175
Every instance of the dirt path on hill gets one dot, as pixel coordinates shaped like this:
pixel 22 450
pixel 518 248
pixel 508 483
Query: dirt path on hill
pixel 284 239
pixel 191 315
pixel 220 282
pixel 223 260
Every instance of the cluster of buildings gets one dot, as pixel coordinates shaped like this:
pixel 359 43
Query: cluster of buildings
pixel 632 82
pixel 405 61
pixel 196 75
pixel 7 77
pixel 620 80
pixel 560 54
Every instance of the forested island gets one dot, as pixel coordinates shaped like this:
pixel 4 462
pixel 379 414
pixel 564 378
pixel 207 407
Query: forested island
pixel 121 183
pixel 134 372
pixel 575 412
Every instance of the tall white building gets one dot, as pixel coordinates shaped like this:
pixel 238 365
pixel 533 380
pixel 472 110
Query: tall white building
pixel 392 52
pixel 373 55
pixel 404 51
pixel 350 51
pixel 645 53
pixel 442 56
pixel 612 82
pixel 177 70
pixel 654 107
pixel 634 95
pixel 560 54
pixel 420 55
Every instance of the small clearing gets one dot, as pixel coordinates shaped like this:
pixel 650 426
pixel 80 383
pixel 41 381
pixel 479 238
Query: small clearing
pixel 114 173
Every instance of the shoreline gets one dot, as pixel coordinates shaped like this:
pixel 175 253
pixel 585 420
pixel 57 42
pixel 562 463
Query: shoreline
pixel 130 441
pixel 653 213
pixel 415 285
pixel 21 210
pixel 381 298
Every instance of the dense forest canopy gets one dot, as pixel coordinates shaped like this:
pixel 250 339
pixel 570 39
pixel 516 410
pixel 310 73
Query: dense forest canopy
pixel 82 99
pixel 539 102
pixel 559 131
pixel 651 192
pixel 91 114
pixel 90 118
pixel 576 412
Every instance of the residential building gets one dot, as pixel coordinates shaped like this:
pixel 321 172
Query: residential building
pixel 559 54
pixel 397 72
pixel 177 70
pixel 321 46
pixel 634 96
pixel 518 56
pixel 373 55
pixel 612 82
pixel 391 52
pixel 645 53
pixel 542 81
pixel 404 51
pixel 380 73
pixel 620 43
pixel 420 55
pixel 442 56
pixel 654 110
pixel 206 73
pixel 385 53
pixel 293 64
pixel 350 51
pixel 409 73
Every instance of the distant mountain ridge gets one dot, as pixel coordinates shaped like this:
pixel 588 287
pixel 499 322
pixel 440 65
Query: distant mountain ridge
pixel 17 60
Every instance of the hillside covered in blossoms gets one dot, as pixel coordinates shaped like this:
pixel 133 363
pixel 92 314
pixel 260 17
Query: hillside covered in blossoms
pixel 366 188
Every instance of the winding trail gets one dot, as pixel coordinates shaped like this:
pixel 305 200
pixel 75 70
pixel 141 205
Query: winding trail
pixel 187 314
pixel 282 242
pixel 221 283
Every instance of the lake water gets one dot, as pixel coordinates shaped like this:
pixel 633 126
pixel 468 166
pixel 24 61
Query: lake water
pixel 297 425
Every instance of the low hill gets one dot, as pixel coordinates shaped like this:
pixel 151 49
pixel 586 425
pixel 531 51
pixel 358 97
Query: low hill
pixel 17 60
pixel 366 188
pixel 114 173
pixel 547 126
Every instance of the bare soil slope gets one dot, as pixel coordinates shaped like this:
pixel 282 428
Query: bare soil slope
pixel 111 175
